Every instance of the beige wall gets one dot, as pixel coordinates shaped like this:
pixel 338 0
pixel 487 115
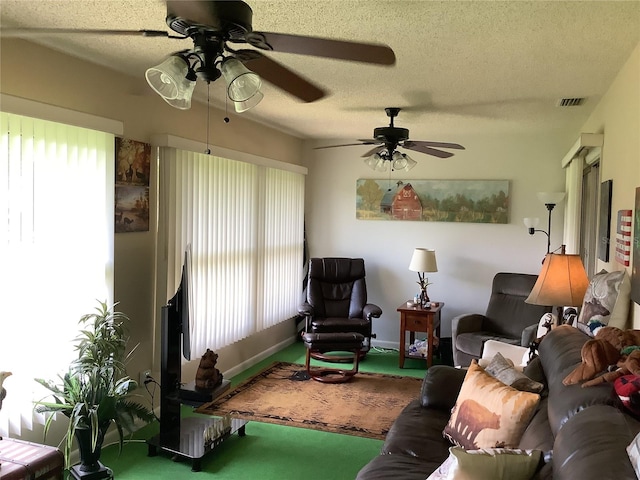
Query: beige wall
pixel 617 116
pixel 33 72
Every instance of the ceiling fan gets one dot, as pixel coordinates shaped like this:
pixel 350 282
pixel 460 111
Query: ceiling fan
pixel 215 26
pixel 387 139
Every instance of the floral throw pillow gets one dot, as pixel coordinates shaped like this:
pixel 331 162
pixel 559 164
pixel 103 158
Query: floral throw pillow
pixel 606 302
pixel 488 413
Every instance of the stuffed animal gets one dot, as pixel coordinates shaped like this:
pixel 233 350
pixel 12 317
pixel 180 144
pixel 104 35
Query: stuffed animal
pixel 605 350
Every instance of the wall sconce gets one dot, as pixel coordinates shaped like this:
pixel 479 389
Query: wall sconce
pixel 550 200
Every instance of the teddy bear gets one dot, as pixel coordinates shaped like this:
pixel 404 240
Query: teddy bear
pixel 613 352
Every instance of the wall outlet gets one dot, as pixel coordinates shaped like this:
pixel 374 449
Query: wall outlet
pixel 143 376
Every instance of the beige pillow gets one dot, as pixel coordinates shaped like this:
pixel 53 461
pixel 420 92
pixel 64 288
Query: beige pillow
pixel 488 464
pixel 606 302
pixel 488 413
pixel 503 370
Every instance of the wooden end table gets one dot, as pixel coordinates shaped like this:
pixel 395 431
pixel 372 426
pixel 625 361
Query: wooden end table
pixel 417 319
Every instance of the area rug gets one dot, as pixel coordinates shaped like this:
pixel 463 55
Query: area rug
pixel 366 406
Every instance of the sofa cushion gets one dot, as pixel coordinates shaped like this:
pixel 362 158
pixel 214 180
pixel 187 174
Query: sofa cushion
pixel 417 432
pixel 606 302
pixel 488 413
pixel 441 386
pixel 503 370
pixel 491 463
pixel 592 444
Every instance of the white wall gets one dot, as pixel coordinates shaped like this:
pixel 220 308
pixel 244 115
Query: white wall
pixel 468 254
pixel 617 116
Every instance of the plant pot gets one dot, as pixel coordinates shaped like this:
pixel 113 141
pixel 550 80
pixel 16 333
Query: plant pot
pixel 90 467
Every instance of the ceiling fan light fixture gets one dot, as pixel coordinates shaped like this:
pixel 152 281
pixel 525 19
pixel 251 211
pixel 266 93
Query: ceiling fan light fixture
pixel 168 78
pixel 406 164
pixel 185 91
pixel 243 86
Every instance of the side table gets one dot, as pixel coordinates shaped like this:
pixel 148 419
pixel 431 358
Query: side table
pixel 417 319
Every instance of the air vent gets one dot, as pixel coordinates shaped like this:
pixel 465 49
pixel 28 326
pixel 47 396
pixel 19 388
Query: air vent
pixel 570 102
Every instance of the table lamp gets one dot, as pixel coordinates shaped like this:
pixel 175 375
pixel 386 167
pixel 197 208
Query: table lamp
pixel 422 261
pixel 562 282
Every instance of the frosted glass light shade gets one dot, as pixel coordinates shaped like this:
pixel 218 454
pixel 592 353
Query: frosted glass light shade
pixel 243 86
pixel 423 260
pixel 551 198
pixel 167 79
pixel 531 222
pixel 562 282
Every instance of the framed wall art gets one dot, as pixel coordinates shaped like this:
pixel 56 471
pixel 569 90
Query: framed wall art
pixel 604 228
pixel 475 201
pixel 133 168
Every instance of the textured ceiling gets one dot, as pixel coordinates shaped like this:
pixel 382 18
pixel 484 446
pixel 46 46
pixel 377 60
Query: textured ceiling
pixel 462 66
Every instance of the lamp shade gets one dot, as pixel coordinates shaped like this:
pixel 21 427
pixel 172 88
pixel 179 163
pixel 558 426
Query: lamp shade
pixel 551 198
pixel 423 260
pixel 243 86
pixel 167 79
pixel 531 222
pixel 562 282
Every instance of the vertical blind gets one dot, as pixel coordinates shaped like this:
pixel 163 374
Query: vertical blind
pixel 244 223
pixel 56 249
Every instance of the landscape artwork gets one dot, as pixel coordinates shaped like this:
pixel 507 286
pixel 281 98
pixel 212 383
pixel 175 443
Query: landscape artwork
pixel 473 201
pixel 635 270
pixel 133 168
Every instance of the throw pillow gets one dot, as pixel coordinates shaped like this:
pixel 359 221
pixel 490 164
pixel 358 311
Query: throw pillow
pixel 627 388
pixel 488 464
pixel 488 413
pixel 633 450
pixel 502 369
pixel 606 302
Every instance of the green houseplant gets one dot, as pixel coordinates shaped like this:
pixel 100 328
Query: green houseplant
pixel 95 392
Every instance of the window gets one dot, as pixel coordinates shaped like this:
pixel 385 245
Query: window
pixel 56 249
pixel 244 222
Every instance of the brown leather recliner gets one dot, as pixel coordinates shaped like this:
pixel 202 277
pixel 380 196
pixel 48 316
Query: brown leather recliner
pixel 337 300
pixel 507 319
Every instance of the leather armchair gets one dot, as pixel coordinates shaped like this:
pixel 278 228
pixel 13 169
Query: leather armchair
pixel 337 300
pixel 508 319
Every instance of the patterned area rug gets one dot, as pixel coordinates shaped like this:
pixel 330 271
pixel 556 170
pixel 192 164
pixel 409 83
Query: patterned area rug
pixel 366 406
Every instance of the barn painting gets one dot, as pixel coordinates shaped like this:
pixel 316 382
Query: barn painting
pixel 475 201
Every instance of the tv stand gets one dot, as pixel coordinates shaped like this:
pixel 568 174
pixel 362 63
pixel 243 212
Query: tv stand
pixel 191 437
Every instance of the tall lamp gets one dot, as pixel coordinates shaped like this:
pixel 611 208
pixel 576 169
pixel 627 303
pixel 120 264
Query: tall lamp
pixel 562 282
pixel 423 261
pixel 550 200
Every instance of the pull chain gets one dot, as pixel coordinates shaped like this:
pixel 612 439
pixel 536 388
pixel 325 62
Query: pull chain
pixel 208 150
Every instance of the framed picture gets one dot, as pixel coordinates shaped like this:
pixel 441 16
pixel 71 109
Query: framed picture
pixel 133 169
pixel 604 229
pixel 475 201
pixel 635 247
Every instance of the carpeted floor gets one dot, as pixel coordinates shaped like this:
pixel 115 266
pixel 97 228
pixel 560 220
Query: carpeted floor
pixel 366 406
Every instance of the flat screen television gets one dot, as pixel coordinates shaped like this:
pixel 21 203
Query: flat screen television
pixel 175 343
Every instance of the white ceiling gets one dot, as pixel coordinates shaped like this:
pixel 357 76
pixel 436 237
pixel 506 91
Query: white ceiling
pixel 462 66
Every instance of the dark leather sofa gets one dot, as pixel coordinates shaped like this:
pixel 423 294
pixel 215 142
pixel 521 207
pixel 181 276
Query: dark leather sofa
pixel 585 429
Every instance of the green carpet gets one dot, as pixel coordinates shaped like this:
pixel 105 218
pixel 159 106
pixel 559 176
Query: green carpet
pixel 267 452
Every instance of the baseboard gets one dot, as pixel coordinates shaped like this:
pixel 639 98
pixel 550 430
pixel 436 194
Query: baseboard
pixel 232 372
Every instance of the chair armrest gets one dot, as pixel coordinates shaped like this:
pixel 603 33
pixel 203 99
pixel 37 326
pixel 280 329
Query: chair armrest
pixel 305 309
pixel 529 335
pixel 371 311
pixel 470 322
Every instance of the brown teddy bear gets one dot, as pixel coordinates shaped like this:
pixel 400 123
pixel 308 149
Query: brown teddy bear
pixel 609 347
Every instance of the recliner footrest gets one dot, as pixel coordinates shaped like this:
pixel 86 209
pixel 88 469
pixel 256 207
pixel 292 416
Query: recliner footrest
pixel 315 342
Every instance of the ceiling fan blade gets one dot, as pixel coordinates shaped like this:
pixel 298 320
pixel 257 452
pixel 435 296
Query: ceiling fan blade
pixel 43 32
pixel 280 76
pixel 346 145
pixel 373 151
pixel 407 144
pixel 376 53
pixel 428 150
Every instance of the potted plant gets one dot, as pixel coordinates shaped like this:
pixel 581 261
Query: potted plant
pixel 95 392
